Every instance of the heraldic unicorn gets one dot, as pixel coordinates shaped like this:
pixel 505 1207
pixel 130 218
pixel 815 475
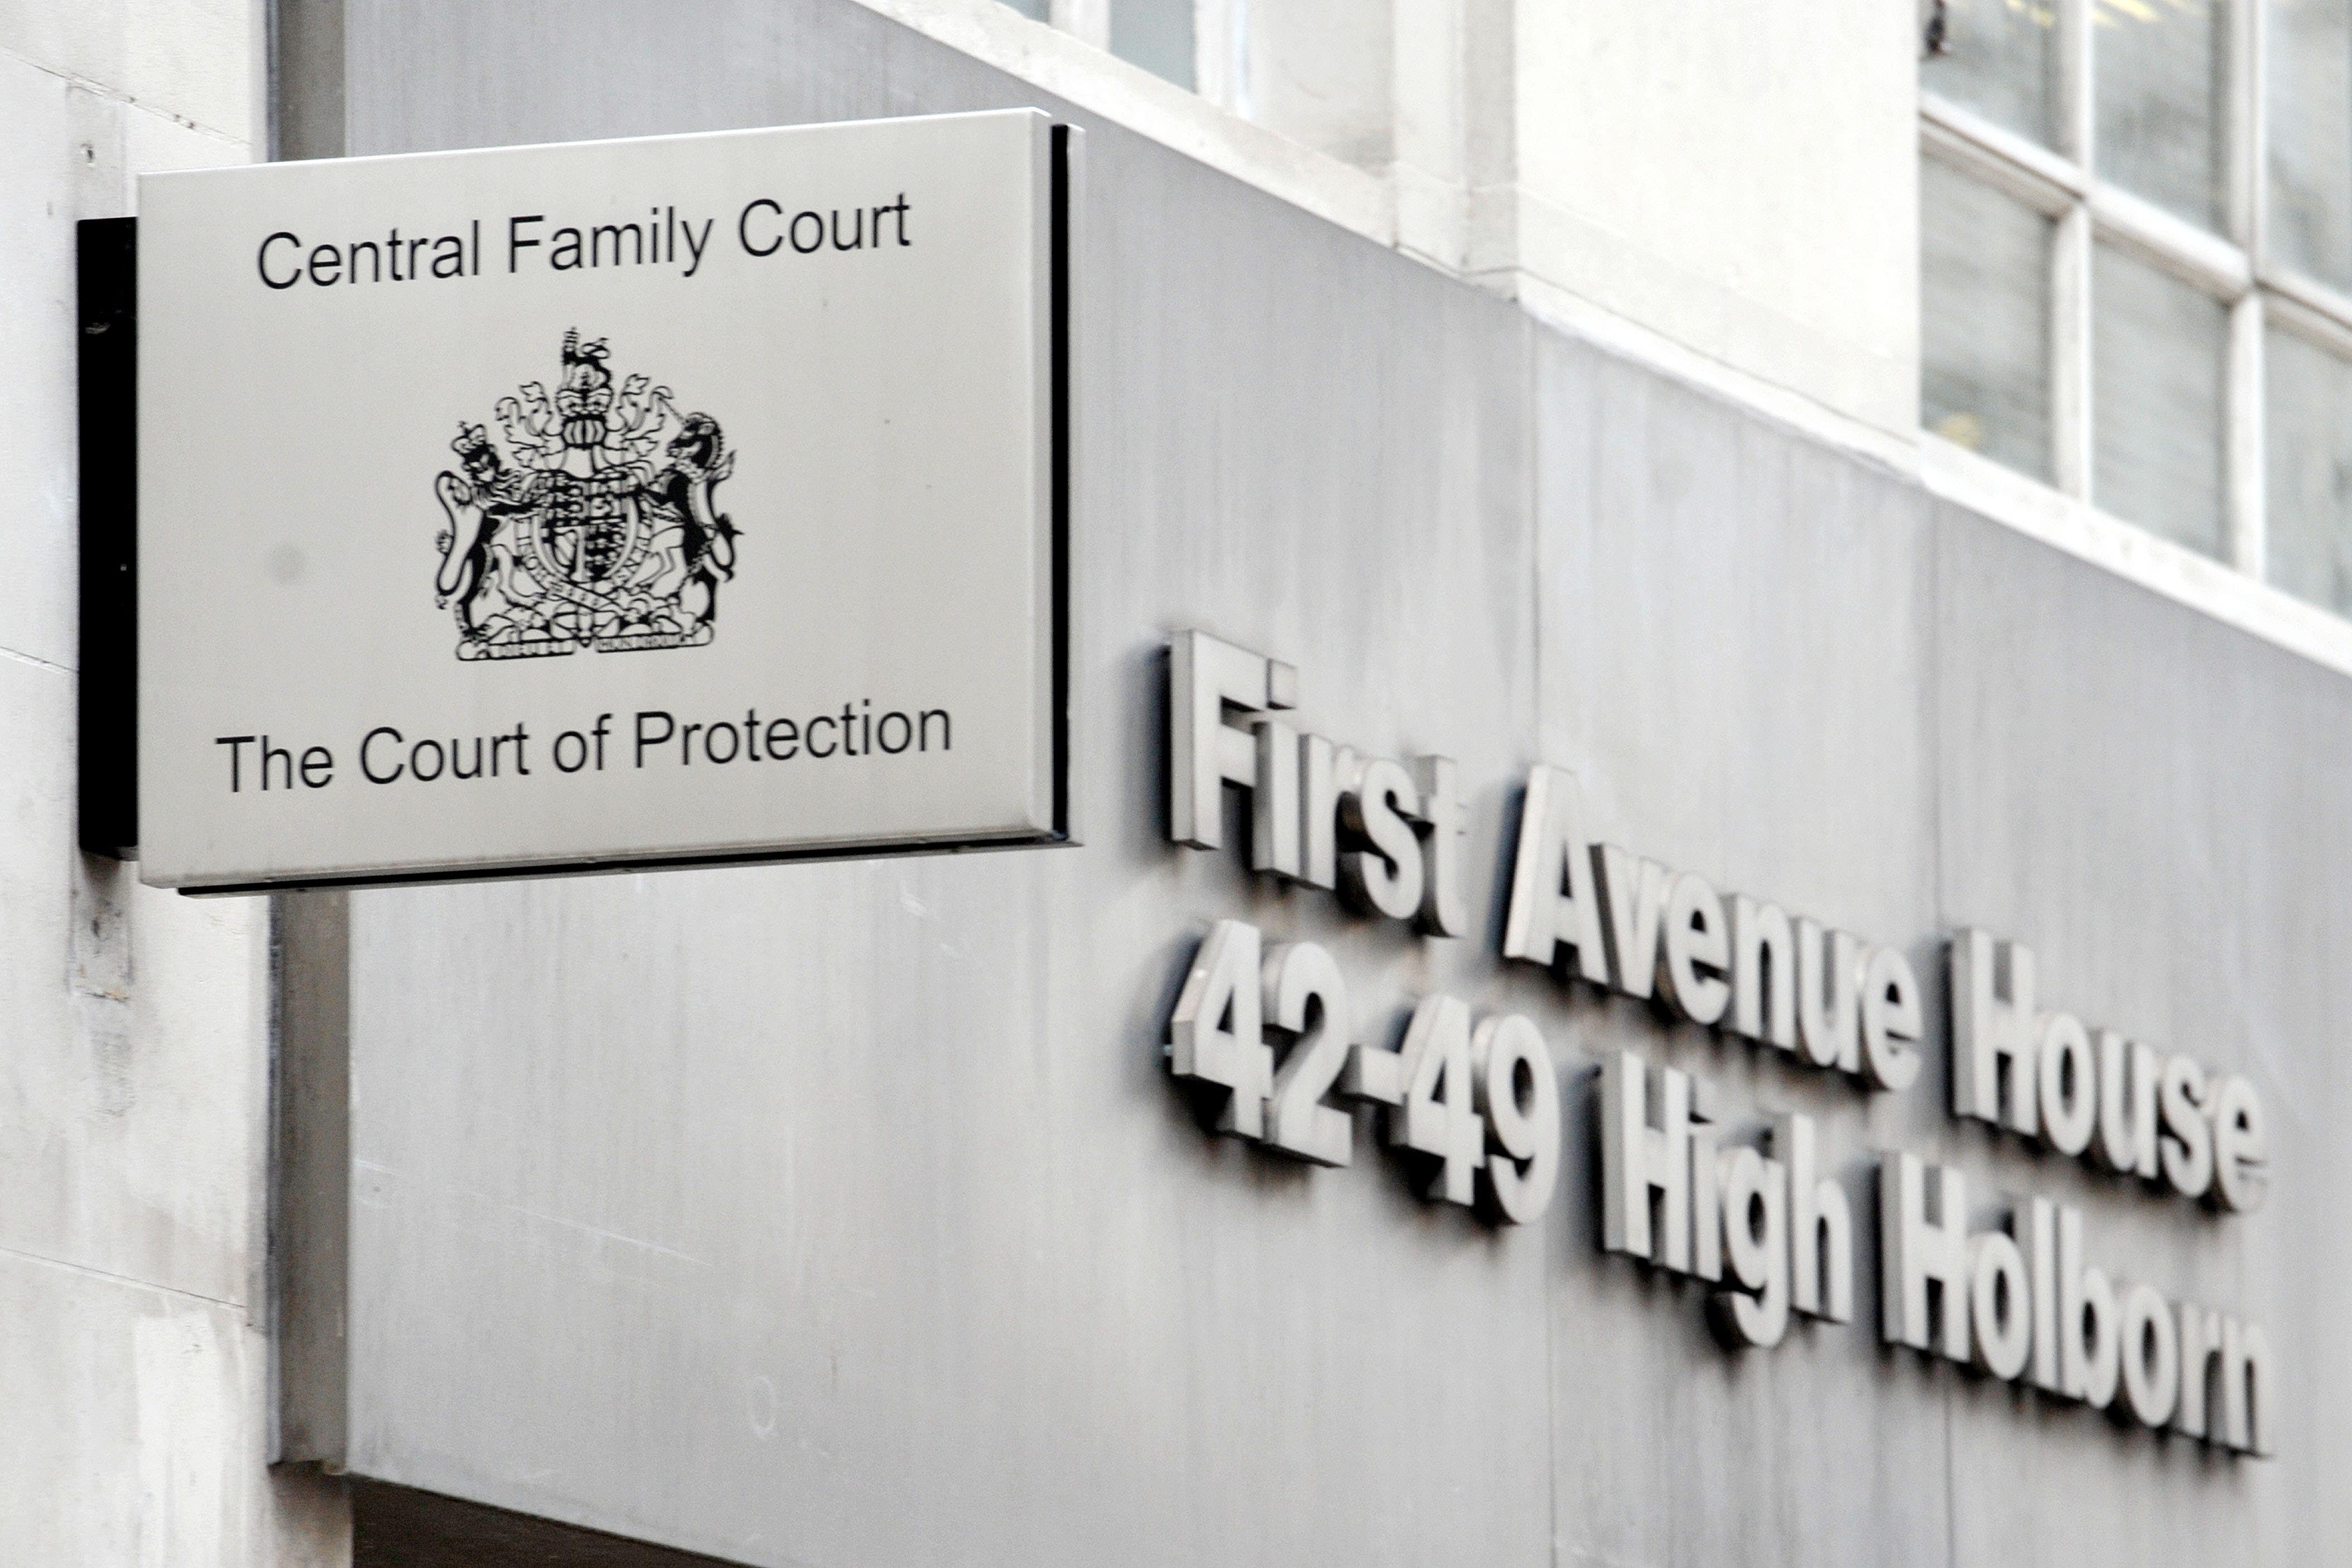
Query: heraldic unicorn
pixel 599 533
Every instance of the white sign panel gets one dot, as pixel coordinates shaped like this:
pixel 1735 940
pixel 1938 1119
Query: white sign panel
pixel 685 499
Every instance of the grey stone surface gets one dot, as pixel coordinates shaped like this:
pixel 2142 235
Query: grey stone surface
pixel 133 1064
pixel 844 1214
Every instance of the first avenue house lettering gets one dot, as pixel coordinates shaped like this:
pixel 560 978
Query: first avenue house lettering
pixel 1268 1035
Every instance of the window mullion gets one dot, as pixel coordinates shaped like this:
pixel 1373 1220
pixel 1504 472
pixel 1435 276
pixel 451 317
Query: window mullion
pixel 2317 315
pixel 2249 221
pixel 2069 259
pixel 2193 254
pixel 2247 130
pixel 2040 178
pixel 2078 115
pixel 1219 71
pixel 2248 532
pixel 2069 353
pixel 1089 20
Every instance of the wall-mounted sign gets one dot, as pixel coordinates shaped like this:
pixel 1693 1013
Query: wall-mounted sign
pixel 696 497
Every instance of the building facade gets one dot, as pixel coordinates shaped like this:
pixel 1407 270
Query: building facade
pixel 1848 511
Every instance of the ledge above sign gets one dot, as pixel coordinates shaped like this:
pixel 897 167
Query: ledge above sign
pixel 688 499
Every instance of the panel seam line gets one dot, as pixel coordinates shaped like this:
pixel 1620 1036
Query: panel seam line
pixel 108 1275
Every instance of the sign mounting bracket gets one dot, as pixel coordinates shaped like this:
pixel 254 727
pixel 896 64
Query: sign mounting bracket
pixel 106 322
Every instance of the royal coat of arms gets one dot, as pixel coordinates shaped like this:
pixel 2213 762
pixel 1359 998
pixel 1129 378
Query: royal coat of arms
pixel 597 526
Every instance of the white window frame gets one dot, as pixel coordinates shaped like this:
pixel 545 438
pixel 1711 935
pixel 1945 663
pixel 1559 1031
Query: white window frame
pixel 2236 269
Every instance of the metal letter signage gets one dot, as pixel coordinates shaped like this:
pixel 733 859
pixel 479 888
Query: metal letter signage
pixel 691 498
pixel 1688 1186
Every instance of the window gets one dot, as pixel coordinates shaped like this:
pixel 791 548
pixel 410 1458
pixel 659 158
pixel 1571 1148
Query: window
pixel 1158 35
pixel 1324 75
pixel 2136 264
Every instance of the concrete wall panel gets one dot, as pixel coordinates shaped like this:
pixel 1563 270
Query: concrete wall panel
pixel 134 1074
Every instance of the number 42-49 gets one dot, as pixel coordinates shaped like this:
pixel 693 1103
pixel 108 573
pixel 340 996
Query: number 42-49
pixel 1480 1104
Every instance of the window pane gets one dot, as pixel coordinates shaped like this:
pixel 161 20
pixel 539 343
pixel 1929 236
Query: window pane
pixel 2159 351
pixel 2309 472
pixel 2000 58
pixel 1984 319
pixel 2311 136
pixel 2159 68
pixel 1156 35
